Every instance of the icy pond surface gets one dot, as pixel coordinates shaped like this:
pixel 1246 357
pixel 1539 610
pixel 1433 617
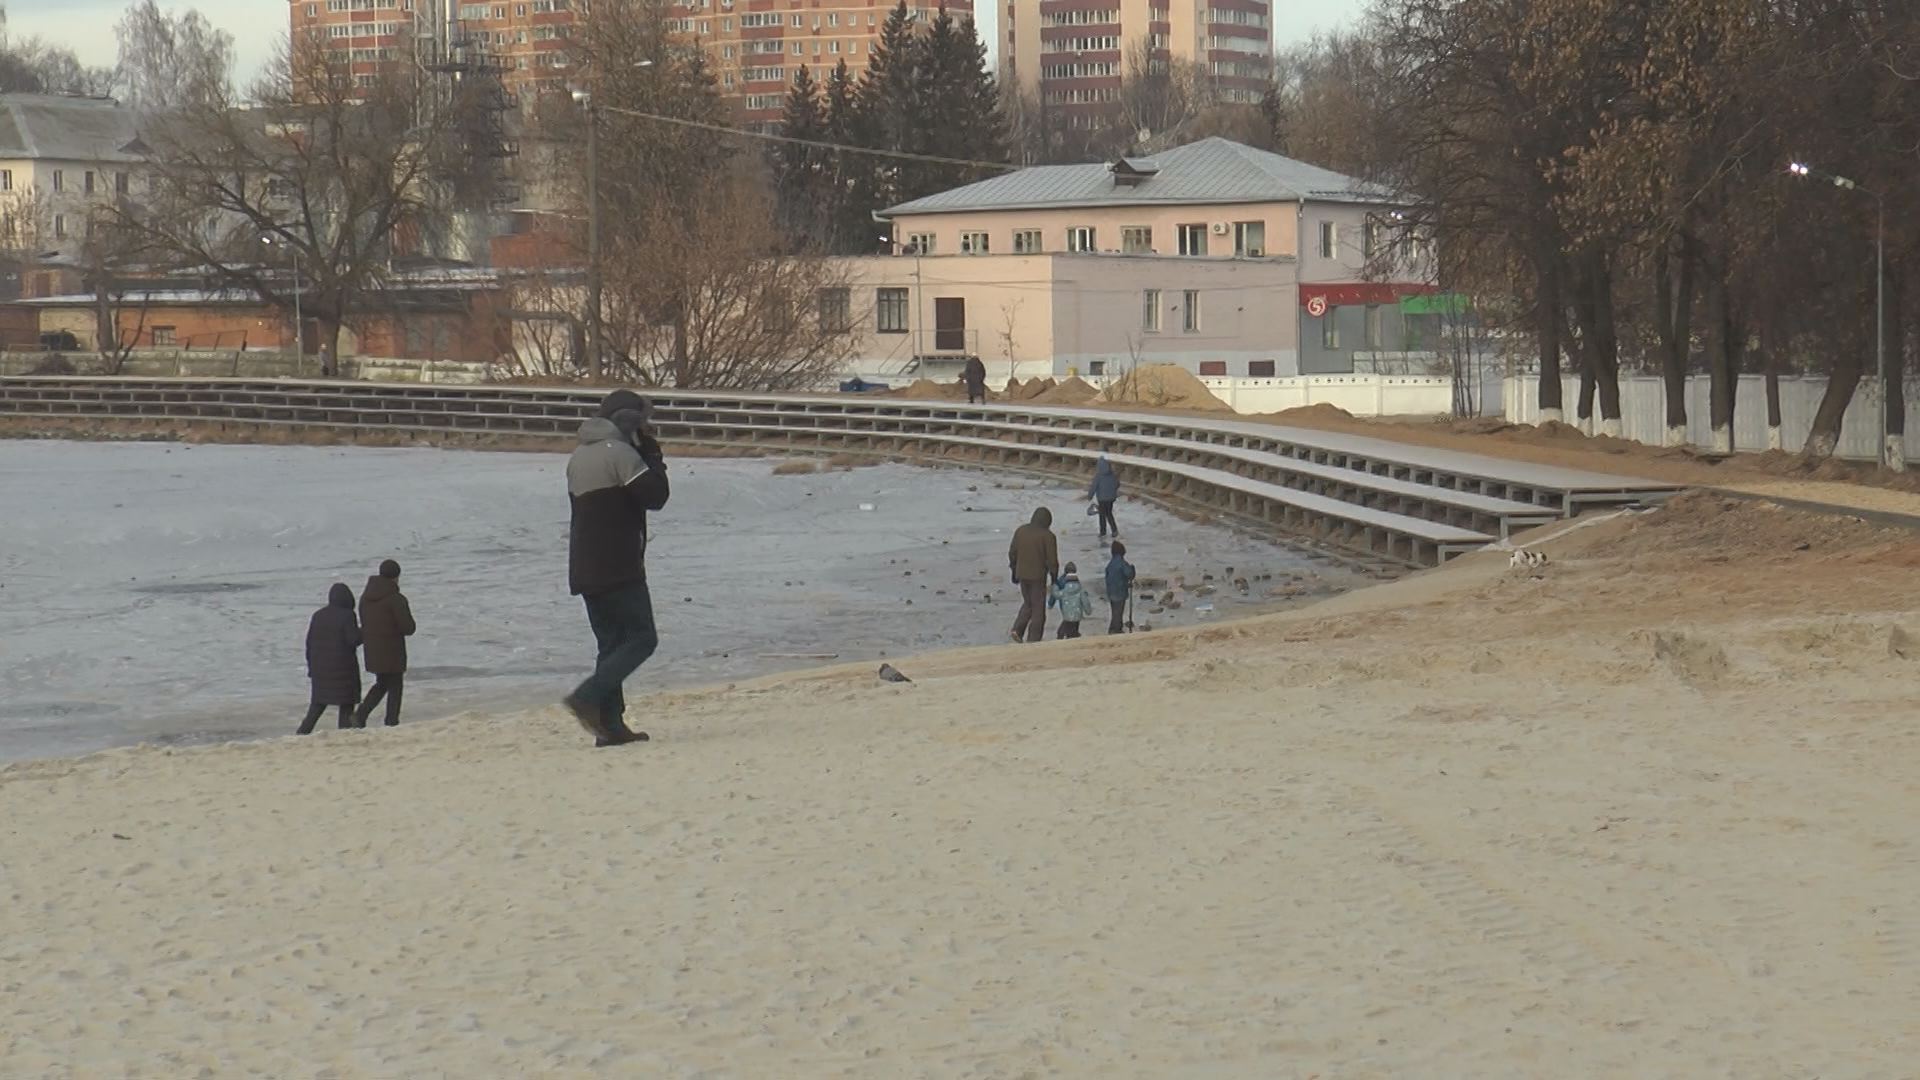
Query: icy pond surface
pixel 160 592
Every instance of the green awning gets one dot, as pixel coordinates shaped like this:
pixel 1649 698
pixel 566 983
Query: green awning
pixel 1452 304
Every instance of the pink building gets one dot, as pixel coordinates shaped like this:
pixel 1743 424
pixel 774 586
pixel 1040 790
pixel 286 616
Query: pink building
pixel 1216 256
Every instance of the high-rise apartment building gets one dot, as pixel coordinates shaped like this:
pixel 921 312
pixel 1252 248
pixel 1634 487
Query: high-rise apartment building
pixel 755 47
pixel 1073 54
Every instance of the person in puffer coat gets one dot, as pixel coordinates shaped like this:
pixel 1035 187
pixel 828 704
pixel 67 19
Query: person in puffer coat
pixel 615 476
pixel 1074 601
pixel 333 659
pixel 386 621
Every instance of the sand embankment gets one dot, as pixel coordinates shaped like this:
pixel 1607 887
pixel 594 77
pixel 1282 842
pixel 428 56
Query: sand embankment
pixel 1647 811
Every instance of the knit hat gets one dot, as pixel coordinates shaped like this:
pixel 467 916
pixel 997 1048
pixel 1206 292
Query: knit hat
pixel 389 568
pixel 1071 569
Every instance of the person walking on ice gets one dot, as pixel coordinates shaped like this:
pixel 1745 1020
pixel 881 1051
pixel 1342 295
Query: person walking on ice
pixel 1033 558
pixel 1075 603
pixel 614 477
pixel 333 659
pixel 386 622
pixel 1104 490
pixel 1119 585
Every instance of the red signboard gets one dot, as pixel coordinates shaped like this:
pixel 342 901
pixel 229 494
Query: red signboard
pixel 1318 298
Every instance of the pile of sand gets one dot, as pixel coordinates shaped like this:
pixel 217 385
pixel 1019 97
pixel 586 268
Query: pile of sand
pixel 1322 412
pixel 1165 386
pixel 1073 391
pixel 929 390
pixel 1029 390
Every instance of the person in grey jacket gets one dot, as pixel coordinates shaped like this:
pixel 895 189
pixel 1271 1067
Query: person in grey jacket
pixel 1105 491
pixel 615 476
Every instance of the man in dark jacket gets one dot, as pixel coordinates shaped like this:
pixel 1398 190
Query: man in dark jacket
pixel 333 661
pixel 975 375
pixel 1034 561
pixel 615 476
pixel 1119 585
pixel 386 621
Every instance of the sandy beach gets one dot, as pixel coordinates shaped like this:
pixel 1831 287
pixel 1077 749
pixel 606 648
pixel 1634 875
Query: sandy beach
pixel 1646 812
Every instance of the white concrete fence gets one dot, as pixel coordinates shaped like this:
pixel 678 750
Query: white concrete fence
pixel 1361 395
pixel 1643 412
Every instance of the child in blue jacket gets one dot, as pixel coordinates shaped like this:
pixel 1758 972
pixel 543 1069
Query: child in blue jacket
pixel 1073 600
pixel 1119 584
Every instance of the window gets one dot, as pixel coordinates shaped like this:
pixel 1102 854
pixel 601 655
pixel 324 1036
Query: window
pixel 6 179
pixel 1080 238
pixel 1096 367
pixel 920 243
pixel 1193 239
pixel 164 335
pixel 890 311
pixel 1259 369
pixel 1372 334
pixel 836 310
pixel 1213 367
pixel 833 18
pixel 1190 313
pixel 833 46
pixel 1136 240
pixel 973 243
pixel 1150 311
pixel 60 225
pixel 311 12
pixel 1026 242
pixel 59 180
pixel 1250 239
pixel 1329 240
pixel 796 21
pixel 1375 232
pixel 1330 329
pixel 121 184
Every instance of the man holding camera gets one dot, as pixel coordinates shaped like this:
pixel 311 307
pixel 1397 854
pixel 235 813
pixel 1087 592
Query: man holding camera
pixel 614 477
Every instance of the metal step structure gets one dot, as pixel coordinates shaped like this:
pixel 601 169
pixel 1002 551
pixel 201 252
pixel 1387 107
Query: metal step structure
pixel 1374 498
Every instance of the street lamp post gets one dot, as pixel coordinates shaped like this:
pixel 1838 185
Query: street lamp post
pixel 1891 456
pixel 299 324
pixel 595 329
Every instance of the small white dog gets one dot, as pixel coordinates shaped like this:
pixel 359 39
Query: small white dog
pixel 1522 557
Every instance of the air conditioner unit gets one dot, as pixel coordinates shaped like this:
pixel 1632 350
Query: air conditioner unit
pixel 1219 228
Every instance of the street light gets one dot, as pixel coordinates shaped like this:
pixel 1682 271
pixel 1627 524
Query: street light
pixel 299 325
pixel 585 98
pixel 1889 457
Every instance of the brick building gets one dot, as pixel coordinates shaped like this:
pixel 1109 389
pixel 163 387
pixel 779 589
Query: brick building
pixel 754 46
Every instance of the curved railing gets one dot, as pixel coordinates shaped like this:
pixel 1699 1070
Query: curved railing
pixel 1373 498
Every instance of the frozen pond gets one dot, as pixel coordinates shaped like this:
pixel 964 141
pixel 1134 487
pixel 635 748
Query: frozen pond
pixel 161 592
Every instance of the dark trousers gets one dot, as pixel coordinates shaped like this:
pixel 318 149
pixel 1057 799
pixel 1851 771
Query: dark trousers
pixel 1031 623
pixel 313 717
pixel 622 621
pixel 384 686
pixel 976 394
pixel 1067 630
pixel 1118 608
pixel 1106 518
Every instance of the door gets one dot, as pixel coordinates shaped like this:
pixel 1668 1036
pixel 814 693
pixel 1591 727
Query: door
pixel 949 324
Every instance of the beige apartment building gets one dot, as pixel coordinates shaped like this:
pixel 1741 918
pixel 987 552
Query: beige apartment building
pixel 1072 54
pixel 1216 256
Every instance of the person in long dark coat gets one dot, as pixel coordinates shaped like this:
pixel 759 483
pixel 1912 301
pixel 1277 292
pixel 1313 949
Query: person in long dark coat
pixel 975 376
pixel 333 658
pixel 386 621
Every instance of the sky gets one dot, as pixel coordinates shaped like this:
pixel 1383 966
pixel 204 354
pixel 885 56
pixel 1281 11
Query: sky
pixel 258 26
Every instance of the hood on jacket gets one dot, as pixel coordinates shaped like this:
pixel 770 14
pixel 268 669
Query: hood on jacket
pixel 1103 467
pixel 379 588
pixel 340 596
pixel 1042 517
pixel 620 401
pixel 599 429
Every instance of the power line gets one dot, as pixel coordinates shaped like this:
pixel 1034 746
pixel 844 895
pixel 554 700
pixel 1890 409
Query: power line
pixel 818 143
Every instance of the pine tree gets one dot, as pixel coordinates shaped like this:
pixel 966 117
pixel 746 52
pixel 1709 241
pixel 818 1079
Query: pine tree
pixel 801 173
pixel 850 229
pixel 887 108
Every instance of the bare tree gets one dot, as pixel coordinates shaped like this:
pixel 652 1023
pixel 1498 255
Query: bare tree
pixel 325 165
pixel 171 61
